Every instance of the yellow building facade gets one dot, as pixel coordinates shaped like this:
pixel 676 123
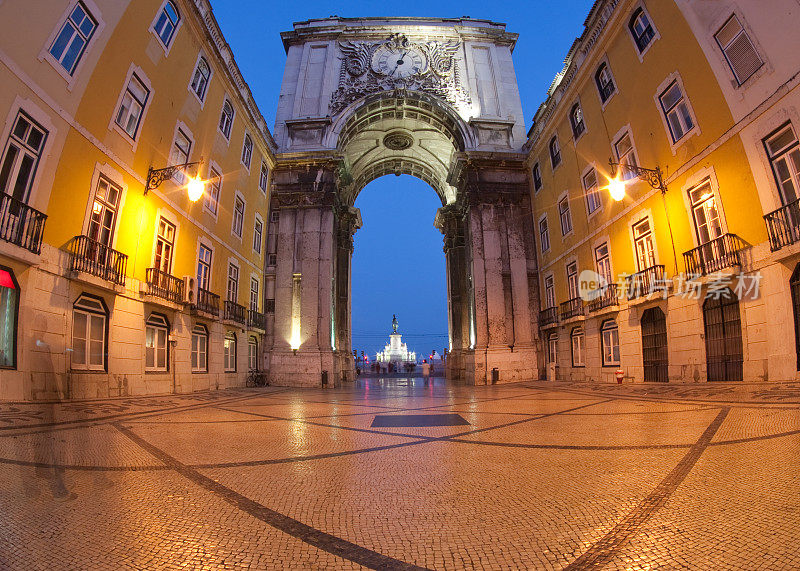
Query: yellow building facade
pixel 662 149
pixel 115 282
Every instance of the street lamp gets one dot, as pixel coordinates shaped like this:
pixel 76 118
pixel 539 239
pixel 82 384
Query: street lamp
pixel 616 187
pixel 155 177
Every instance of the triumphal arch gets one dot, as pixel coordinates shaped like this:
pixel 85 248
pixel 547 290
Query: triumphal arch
pixel 433 98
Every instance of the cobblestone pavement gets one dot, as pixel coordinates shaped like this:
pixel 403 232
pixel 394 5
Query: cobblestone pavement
pixel 541 476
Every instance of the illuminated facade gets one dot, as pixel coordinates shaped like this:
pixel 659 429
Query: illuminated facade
pixel 708 96
pixel 122 291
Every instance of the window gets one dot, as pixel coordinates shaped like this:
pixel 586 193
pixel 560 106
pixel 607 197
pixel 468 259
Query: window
pixel 179 155
pixel 578 341
pixel 642 30
pixel 269 305
pixel 603 262
pixel 211 200
pixel 626 156
pixel 247 151
pixel 9 313
pixel 738 49
pixel 166 23
pixel 89 318
pixel 593 201
pixel 784 156
pixel 130 110
pixel 204 267
pixel 226 119
pixel 643 242
pixel 272 259
pixel 537 177
pixel 252 354
pixel 604 81
pixel 552 348
pixel 262 178
pixel 254 294
pixel 229 352
pixel 238 217
pixel 257 235
pixel 576 120
pixel 165 243
pixel 706 215
pixel 555 152
pixel 202 73
pixel 71 41
pixel 21 157
pixel 103 217
pixel 199 349
pixel 155 345
pixel 572 280
pixel 275 215
pixel 233 282
pixel 565 216
pixel 549 291
pixel 676 110
pixel 544 234
pixel 609 339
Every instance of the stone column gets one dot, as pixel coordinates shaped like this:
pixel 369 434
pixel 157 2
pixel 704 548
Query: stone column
pixel 301 353
pixel 348 221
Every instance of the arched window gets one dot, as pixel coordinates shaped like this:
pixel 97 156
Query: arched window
pixel 555 152
pixel 226 119
pixel 229 352
pixel 9 311
pixel 552 348
pixel 641 29
pixel 167 22
pixel 252 354
pixel 247 151
pixel 605 83
pixel 578 341
pixel 202 73
pixel 199 349
pixel 89 333
pixel 576 120
pixel 609 339
pixel 156 330
pixel 537 177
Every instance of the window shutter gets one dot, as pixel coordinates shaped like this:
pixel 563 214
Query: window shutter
pixel 739 50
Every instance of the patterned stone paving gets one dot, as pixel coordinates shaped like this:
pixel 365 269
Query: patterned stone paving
pixel 533 476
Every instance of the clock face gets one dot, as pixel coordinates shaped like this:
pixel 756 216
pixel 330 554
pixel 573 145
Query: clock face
pixel 398 63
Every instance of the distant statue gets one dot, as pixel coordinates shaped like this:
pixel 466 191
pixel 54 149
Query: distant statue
pixel 394 323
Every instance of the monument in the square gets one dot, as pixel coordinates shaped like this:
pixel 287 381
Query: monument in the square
pixel 396 352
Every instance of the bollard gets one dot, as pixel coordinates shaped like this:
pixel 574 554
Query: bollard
pixel 620 374
pixel 495 375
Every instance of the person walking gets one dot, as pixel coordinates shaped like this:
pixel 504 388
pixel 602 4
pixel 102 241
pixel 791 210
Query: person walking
pixel 426 369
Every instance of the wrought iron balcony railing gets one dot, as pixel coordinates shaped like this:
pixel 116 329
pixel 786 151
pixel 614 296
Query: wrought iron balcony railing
pixel 605 297
pixel 97 259
pixel 206 302
pixel 783 225
pixel 718 254
pixel 163 285
pixel 645 282
pixel 20 224
pixel 548 316
pixel 572 308
pixel 235 312
pixel 256 320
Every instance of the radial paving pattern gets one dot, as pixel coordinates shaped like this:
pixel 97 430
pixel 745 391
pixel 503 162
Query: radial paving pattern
pixel 543 475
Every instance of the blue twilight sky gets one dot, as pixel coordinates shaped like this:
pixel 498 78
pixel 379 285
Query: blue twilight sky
pixel 398 263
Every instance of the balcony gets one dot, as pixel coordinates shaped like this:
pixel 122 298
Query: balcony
pixel 20 224
pixel 718 254
pixel 235 313
pixel 605 297
pixel 94 258
pixel 206 302
pixel 572 308
pixel 548 316
pixel 163 285
pixel 256 320
pixel 783 225
pixel 645 282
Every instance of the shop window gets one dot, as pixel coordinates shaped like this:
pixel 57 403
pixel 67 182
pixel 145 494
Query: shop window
pixel 9 313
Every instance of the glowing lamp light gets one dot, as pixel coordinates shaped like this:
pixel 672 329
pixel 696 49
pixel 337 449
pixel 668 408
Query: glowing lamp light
pixel 616 188
pixel 196 187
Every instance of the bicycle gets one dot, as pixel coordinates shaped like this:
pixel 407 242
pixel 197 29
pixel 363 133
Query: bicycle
pixel 256 379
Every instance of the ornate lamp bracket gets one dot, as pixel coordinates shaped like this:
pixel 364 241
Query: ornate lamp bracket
pixel 653 177
pixel 156 176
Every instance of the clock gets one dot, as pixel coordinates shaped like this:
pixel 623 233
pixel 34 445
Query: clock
pixel 397 62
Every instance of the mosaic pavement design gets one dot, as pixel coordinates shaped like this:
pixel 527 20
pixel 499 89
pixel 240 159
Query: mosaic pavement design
pixel 403 474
